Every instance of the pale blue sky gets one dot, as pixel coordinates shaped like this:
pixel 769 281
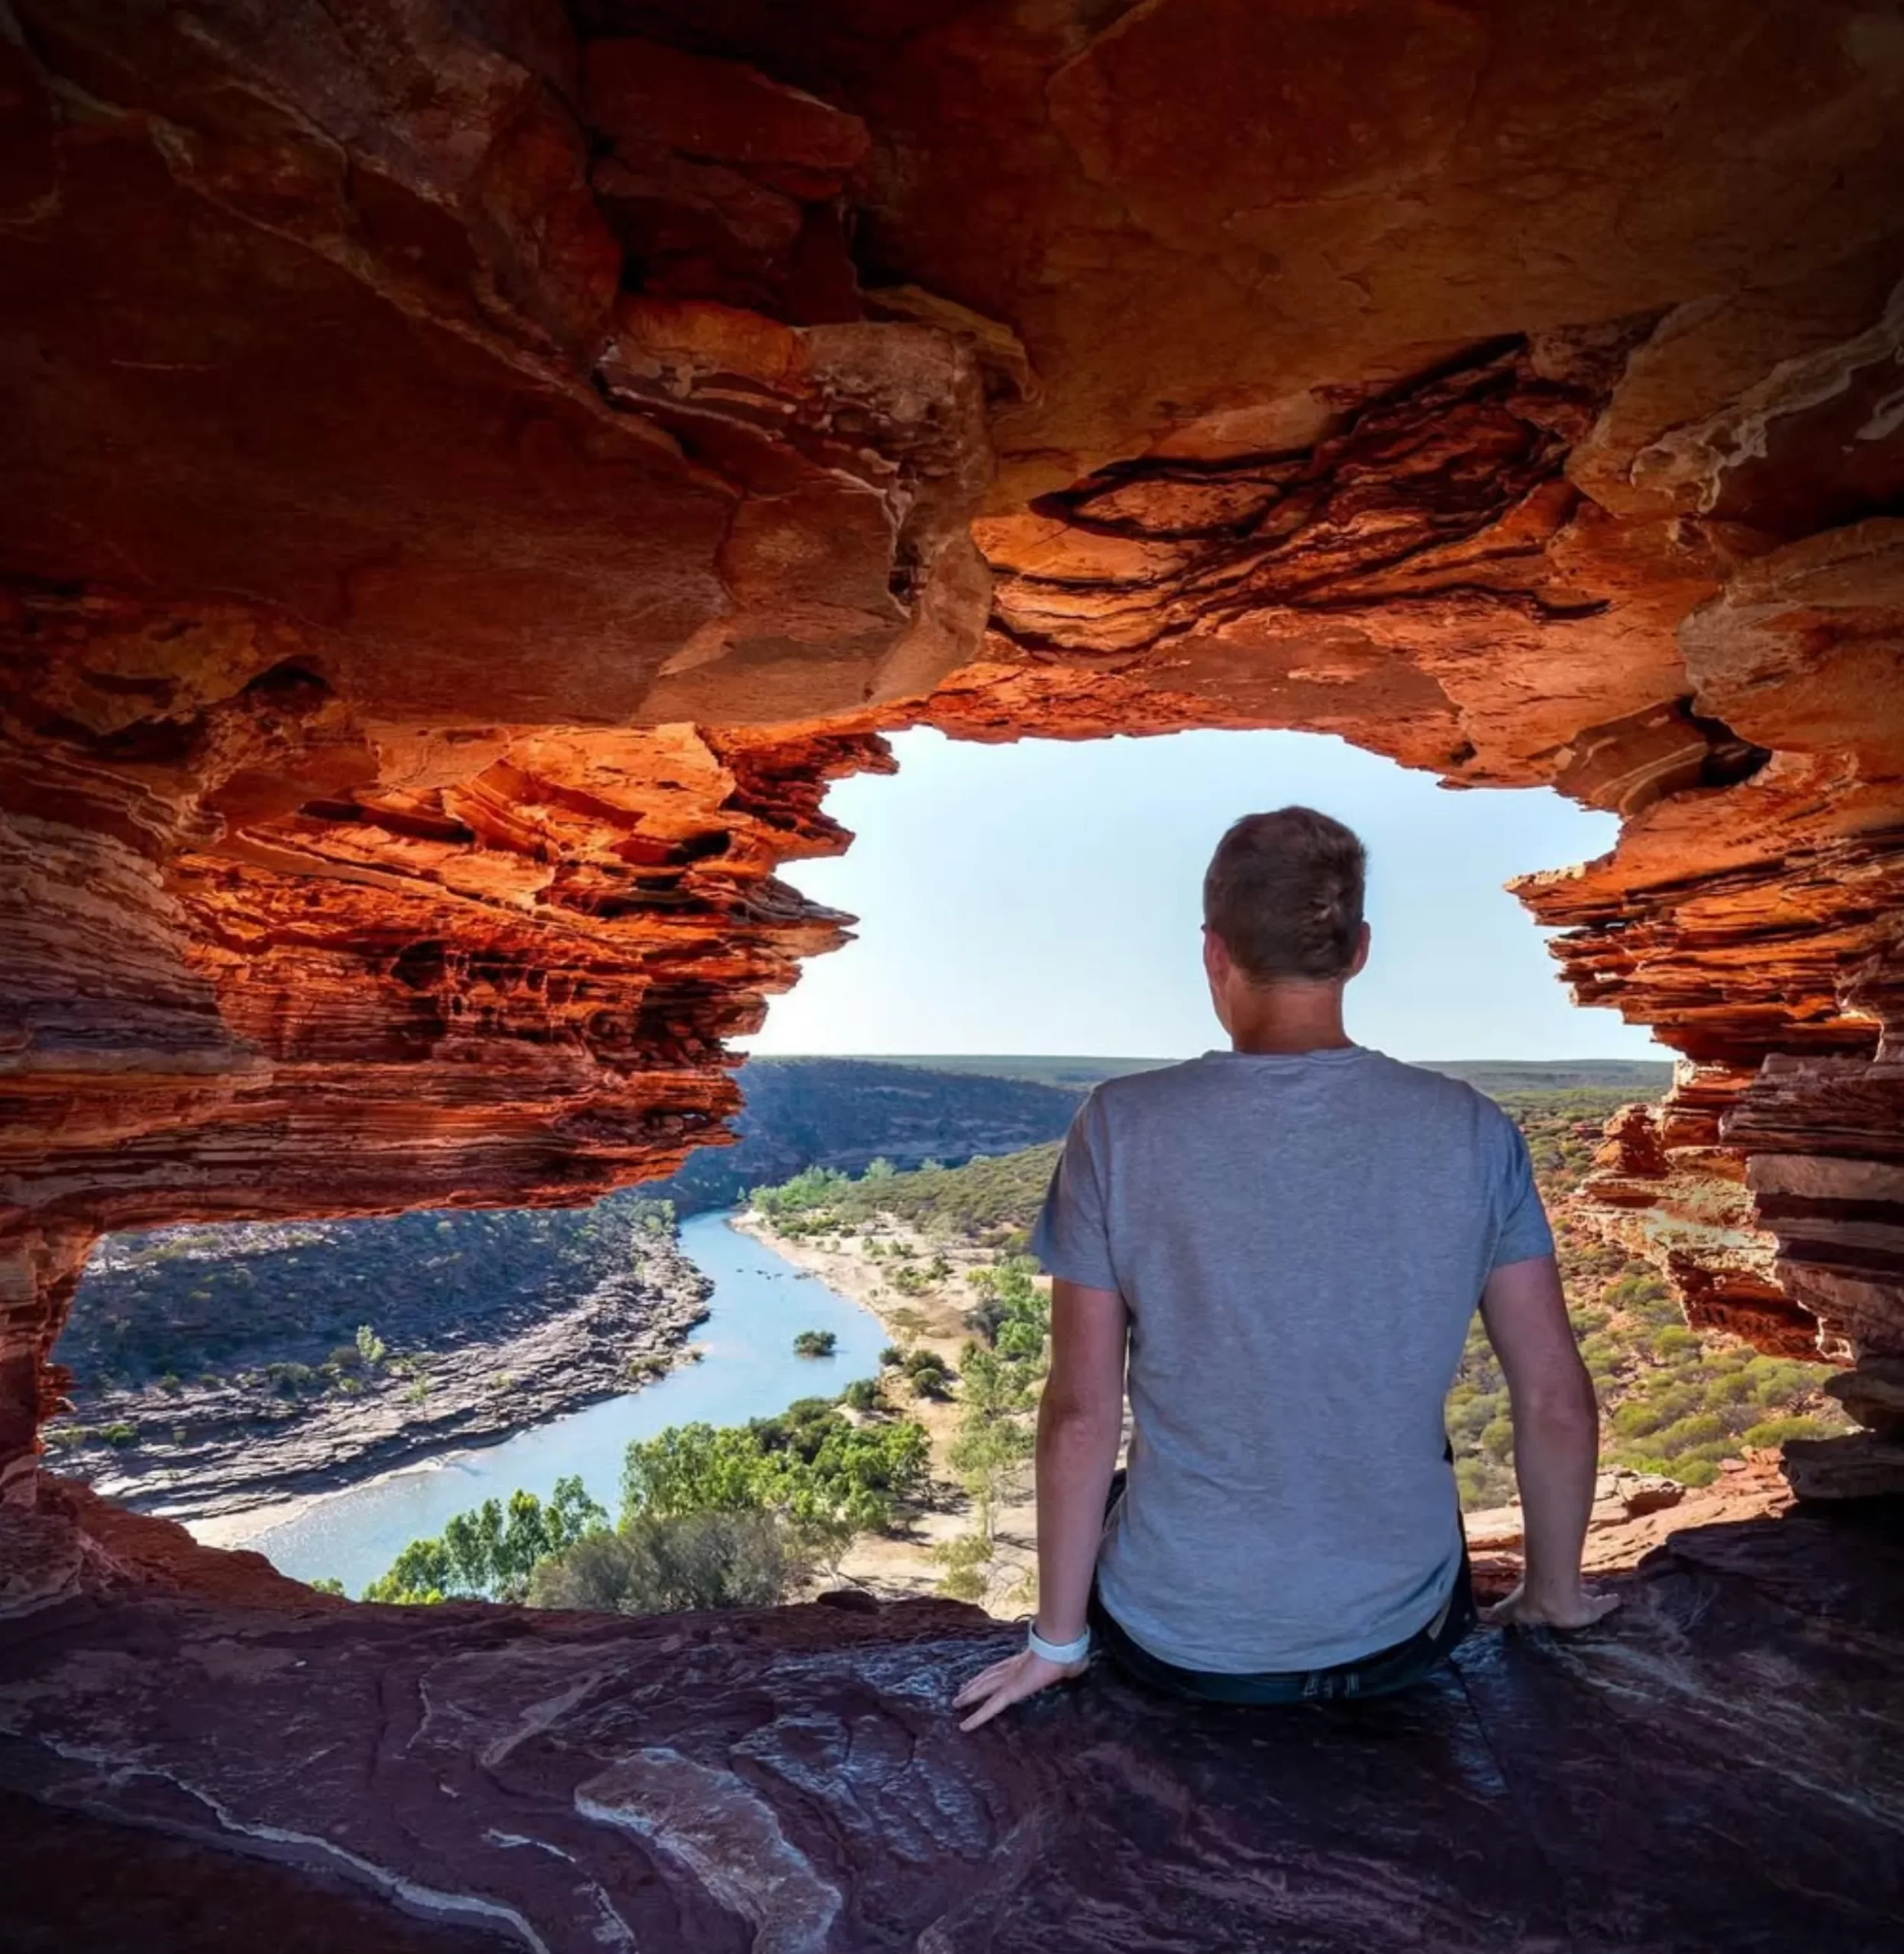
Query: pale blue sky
pixel 1044 898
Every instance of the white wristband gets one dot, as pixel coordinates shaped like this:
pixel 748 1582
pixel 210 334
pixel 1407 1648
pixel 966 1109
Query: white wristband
pixel 1062 1653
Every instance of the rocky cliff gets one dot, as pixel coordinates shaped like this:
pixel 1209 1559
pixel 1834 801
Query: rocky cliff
pixel 475 472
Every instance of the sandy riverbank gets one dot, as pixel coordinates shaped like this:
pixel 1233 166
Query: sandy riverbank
pixel 902 1564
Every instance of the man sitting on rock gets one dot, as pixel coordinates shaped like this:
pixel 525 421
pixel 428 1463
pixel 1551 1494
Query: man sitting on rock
pixel 1285 1242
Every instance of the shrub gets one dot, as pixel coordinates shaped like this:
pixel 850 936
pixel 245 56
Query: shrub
pixel 370 1347
pixel 1731 1390
pixel 816 1343
pixel 665 1564
pixel 965 1561
pixel 928 1373
pixel 1482 1483
pixel 1776 1431
pixel 891 1356
pixel 984 1319
pixel 120 1433
pixel 1652 1413
pixel 1775 1380
pixel 862 1394
pixel 1702 1428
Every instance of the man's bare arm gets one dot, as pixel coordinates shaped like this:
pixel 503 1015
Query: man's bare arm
pixel 1556 1443
pixel 1080 1424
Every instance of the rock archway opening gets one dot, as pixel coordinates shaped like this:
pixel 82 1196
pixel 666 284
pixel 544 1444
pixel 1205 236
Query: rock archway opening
pixel 1036 898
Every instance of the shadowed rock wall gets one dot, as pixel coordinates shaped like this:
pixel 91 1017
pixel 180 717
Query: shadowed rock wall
pixel 474 473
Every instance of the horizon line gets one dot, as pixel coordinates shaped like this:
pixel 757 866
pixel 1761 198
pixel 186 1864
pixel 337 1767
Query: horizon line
pixel 1161 1059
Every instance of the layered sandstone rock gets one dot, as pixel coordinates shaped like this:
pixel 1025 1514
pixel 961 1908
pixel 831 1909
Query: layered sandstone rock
pixel 1712 1773
pixel 475 472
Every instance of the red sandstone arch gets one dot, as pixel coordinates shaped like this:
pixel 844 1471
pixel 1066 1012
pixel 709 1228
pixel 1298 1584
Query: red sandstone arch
pixel 474 473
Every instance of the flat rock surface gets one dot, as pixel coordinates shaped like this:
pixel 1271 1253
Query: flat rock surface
pixel 123 1886
pixel 1722 1770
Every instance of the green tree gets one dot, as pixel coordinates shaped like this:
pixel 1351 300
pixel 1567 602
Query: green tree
pixel 490 1553
pixel 824 1476
pixel 370 1349
pixel 991 1383
pixel 988 1454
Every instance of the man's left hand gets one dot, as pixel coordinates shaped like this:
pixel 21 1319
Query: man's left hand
pixel 1011 1681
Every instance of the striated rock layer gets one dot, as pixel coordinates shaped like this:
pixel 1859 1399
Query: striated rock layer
pixel 473 474
pixel 1722 1772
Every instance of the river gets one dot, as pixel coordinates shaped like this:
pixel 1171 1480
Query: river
pixel 760 1302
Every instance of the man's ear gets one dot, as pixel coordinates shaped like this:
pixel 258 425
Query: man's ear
pixel 1216 957
pixel 1361 956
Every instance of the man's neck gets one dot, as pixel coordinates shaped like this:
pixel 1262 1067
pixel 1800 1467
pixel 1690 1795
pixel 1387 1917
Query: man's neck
pixel 1289 1018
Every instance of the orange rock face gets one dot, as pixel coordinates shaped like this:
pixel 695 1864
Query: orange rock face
pixel 474 474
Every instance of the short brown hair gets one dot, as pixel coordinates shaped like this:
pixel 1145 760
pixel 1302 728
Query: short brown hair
pixel 1284 892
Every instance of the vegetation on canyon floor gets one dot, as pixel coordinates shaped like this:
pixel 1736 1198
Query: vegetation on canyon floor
pixel 711 1517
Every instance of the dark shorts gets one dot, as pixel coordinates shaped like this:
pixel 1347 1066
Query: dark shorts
pixel 1378 1675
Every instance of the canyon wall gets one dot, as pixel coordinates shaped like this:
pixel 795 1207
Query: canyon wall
pixel 476 472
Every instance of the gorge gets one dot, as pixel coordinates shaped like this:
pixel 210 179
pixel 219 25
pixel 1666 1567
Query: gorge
pixel 476 470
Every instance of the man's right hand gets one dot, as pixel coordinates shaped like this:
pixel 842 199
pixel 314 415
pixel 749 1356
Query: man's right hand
pixel 1571 1608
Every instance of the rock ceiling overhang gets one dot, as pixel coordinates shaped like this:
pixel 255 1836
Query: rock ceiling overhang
pixel 474 473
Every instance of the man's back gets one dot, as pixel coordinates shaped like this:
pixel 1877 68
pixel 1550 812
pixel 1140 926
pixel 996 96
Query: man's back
pixel 1302 1241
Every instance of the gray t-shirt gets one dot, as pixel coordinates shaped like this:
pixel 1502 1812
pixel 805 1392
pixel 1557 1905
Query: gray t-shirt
pixel 1302 1241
